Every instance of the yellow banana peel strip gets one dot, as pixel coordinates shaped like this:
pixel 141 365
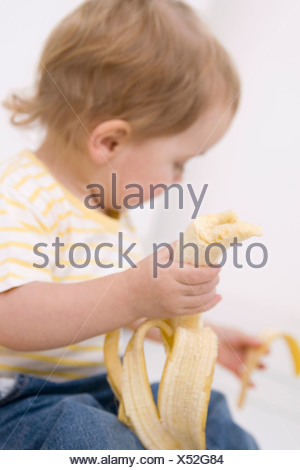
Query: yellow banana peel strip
pixel 114 370
pixel 140 407
pixel 179 420
pixel 184 389
pixel 254 355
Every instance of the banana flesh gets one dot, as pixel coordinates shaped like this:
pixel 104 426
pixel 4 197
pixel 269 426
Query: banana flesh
pixel 179 419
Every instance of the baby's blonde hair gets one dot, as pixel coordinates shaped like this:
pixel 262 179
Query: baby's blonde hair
pixel 152 63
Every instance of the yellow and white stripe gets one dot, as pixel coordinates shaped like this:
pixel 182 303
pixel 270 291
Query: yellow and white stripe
pixel 35 208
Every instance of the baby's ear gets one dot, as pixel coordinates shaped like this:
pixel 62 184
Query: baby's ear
pixel 106 140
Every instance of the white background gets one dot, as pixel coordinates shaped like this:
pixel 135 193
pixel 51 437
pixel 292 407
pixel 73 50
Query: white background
pixel 254 170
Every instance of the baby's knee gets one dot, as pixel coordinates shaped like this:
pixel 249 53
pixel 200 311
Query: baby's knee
pixel 221 430
pixel 218 406
pixel 82 423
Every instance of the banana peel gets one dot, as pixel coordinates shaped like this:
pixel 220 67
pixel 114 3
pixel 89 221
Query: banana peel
pixel 179 419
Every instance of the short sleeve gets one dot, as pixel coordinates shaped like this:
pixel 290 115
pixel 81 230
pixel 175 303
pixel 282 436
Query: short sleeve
pixel 21 234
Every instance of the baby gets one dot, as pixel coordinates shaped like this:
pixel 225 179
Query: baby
pixel 130 88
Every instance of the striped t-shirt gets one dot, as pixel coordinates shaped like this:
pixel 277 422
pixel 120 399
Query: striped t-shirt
pixel 35 208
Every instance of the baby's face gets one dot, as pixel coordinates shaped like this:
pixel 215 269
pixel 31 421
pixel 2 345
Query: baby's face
pixel 162 160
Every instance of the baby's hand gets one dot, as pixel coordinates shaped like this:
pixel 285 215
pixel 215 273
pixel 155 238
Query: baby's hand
pixel 175 291
pixel 233 346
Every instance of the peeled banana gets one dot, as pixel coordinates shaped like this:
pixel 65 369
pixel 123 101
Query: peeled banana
pixel 179 419
pixel 254 355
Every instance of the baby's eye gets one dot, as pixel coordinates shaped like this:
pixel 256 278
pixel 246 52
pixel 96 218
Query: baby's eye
pixel 179 167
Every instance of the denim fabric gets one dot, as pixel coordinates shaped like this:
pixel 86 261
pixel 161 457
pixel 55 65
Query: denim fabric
pixel 82 414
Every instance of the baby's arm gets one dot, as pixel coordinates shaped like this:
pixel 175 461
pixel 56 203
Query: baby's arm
pixel 44 315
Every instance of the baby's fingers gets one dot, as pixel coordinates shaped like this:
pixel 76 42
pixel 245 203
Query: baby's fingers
pixel 204 307
pixel 201 289
pixel 261 366
pixel 192 276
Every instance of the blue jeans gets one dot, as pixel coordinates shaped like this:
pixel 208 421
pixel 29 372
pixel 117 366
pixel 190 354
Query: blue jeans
pixel 82 414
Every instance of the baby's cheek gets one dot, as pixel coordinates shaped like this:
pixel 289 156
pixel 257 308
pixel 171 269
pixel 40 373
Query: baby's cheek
pixel 150 184
pixel 156 188
pixel 165 177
